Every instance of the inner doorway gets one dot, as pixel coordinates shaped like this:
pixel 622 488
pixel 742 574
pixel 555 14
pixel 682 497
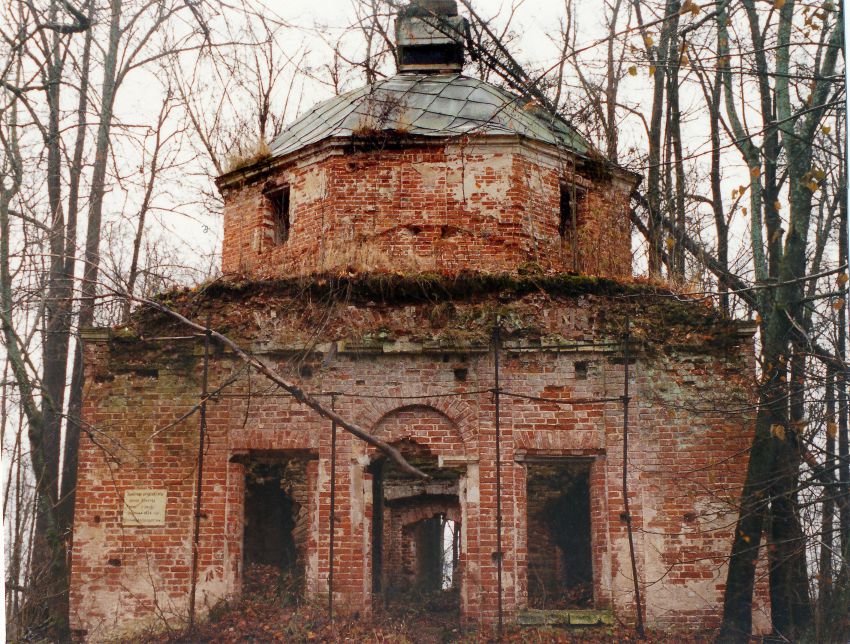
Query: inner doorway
pixel 560 554
pixel 429 554
pixel 416 534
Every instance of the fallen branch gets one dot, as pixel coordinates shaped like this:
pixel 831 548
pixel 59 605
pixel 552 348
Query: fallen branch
pixel 696 249
pixel 293 390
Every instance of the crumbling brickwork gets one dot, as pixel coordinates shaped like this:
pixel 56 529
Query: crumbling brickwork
pixel 425 206
pixel 410 369
pixel 370 259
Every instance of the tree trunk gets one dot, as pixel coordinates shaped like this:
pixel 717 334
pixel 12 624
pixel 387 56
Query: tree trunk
pixel 50 592
pixel 612 84
pixel 675 161
pixel 92 257
pixel 789 597
pixel 740 580
pixel 72 430
pixel 653 178
pixel 720 226
pixel 773 462
pixel 827 509
pixel 48 549
pixel 841 381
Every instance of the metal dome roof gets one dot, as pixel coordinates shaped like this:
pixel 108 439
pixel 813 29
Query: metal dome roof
pixel 434 105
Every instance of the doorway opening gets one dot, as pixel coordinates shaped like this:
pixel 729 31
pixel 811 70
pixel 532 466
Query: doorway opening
pixel 430 553
pixel 560 554
pixel 275 525
pixel 416 535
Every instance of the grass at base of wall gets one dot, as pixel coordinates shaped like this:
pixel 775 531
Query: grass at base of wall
pixel 270 612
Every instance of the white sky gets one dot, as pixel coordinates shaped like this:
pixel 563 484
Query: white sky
pixel 316 24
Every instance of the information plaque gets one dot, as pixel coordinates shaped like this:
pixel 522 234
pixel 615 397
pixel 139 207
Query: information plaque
pixel 144 507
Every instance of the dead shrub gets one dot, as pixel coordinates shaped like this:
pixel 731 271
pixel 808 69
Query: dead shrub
pixel 242 158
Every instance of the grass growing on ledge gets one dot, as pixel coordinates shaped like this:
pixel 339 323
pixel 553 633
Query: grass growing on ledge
pixel 393 288
pixel 445 307
pixel 245 158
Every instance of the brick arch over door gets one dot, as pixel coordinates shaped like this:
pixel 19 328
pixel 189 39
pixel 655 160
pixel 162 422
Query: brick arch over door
pixel 425 425
pixel 415 512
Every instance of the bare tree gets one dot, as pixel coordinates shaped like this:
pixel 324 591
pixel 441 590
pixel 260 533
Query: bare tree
pixel 52 59
pixel 730 84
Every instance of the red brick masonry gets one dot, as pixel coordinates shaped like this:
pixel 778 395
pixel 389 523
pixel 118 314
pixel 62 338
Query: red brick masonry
pixel 439 239
pixel 689 433
pixel 490 204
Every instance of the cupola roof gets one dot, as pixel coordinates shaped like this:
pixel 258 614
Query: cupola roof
pixel 429 105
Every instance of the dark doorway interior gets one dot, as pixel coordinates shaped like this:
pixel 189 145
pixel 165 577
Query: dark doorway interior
pixel 268 521
pixel 560 557
pixel 274 521
pixel 430 552
pixel 427 538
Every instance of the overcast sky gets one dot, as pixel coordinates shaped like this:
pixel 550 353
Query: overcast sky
pixel 317 26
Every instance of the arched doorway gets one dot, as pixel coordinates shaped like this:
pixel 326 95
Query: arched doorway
pixel 416 533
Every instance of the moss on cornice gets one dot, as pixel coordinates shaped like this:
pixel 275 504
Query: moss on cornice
pixel 393 288
pixel 443 309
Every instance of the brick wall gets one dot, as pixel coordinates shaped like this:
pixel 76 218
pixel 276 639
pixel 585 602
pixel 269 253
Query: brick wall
pixel 409 374
pixel 425 207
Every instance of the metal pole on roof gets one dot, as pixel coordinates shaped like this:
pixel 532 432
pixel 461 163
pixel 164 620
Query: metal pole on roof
pixel 332 514
pixel 627 514
pixel 497 340
pixel 202 437
pixel 573 213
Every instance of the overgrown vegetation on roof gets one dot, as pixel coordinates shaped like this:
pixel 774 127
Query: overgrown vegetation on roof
pixel 398 288
pixel 239 159
pixel 441 310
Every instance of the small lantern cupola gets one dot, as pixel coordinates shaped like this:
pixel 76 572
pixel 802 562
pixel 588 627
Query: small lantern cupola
pixel 430 36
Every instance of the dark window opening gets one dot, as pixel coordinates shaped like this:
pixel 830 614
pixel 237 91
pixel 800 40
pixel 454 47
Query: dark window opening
pixel 279 204
pixel 570 211
pixel 440 54
pixel 581 370
pixel 560 560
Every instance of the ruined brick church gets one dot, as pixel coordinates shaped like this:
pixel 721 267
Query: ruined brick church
pixel 448 266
